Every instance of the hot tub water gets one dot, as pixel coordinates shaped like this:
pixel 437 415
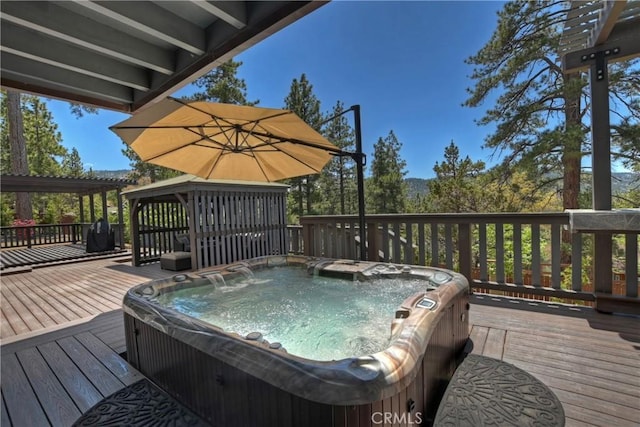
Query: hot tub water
pixel 320 318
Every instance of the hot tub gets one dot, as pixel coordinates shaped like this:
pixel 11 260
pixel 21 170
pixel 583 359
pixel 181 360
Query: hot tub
pixel 240 345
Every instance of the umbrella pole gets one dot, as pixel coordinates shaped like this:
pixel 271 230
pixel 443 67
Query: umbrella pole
pixel 359 159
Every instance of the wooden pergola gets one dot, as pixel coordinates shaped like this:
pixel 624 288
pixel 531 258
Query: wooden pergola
pixel 595 34
pixel 82 187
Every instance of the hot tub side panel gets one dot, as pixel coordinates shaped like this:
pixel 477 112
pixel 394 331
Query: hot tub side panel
pixel 227 396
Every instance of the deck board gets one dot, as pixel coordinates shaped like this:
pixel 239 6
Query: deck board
pixel 18 393
pixel 590 360
pixel 103 379
pixel 80 389
pixel 55 401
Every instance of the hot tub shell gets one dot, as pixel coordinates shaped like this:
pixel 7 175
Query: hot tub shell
pixel 231 381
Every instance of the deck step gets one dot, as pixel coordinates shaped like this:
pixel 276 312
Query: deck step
pixel 489 392
pixel 140 404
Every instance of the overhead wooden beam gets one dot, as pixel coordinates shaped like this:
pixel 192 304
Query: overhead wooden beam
pixel 625 37
pixel 233 13
pixel 22 69
pixel 607 19
pixel 27 44
pixel 158 23
pixel 54 21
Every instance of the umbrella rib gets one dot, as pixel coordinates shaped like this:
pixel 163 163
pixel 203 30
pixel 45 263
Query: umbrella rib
pixel 266 143
pixel 187 104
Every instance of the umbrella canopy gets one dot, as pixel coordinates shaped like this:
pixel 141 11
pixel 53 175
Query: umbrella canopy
pixel 225 141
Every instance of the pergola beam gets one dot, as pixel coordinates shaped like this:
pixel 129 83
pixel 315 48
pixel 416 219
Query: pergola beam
pixel 625 37
pixel 606 21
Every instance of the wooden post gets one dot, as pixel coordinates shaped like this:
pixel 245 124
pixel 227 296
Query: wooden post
pixel 601 166
pixel 92 210
pixel 105 211
pixel 120 218
pixel 135 231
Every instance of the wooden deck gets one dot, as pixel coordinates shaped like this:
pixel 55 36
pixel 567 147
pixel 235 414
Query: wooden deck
pixel 55 295
pixel 52 254
pixel 62 332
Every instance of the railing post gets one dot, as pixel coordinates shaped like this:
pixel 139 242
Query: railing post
pixel 307 239
pixel 464 249
pixel 372 241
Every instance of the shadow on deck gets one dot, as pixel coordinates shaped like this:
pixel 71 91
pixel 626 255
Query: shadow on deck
pixel 48 255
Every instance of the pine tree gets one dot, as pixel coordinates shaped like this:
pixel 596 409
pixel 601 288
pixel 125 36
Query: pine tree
pixel 72 164
pixel 304 103
pixel 223 85
pixel 17 160
pixel 456 188
pixel 540 112
pixel 386 188
pixel 337 183
pixel 44 141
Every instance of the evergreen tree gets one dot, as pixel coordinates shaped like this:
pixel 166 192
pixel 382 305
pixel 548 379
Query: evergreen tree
pixel 337 183
pixel 456 187
pixel 17 160
pixel 539 113
pixel 222 85
pixel 219 85
pixel 72 164
pixel 44 141
pixel 304 103
pixel 387 189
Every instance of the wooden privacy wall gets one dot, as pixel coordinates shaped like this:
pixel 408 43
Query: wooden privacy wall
pixel 224 221
pixel 157 224
pixel 234 225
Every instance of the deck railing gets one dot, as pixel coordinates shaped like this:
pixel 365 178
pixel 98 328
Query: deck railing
pixel 515 254
pixel 42 234
pixel 47 234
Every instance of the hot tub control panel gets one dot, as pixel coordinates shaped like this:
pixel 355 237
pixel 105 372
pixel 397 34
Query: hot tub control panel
pixel 427 303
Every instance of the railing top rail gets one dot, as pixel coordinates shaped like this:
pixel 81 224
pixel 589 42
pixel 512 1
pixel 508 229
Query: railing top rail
pixel 458 218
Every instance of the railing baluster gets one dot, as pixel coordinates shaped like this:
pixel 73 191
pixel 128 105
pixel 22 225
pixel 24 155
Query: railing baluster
pixel 631 267
pixel 576 262
pixel 535 254
pixel 448 245
pixel 556 282
pixel 386 249
pixel 408 248
pixel 500 278
pixel 435 256
pixel 482 251
pixel 396 243
pixel 422 260
pixel 517 254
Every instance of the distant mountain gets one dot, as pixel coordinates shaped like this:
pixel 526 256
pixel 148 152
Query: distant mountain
pixel 621 182
pixel 416 186
pixel 117 174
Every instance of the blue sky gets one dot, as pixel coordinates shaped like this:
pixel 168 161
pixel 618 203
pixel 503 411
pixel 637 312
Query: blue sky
pixel 403 62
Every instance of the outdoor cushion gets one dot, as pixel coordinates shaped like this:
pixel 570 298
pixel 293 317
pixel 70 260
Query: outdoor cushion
pixel 176 261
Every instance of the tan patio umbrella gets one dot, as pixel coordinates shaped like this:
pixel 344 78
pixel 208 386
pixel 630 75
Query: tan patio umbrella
pixel 226 141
